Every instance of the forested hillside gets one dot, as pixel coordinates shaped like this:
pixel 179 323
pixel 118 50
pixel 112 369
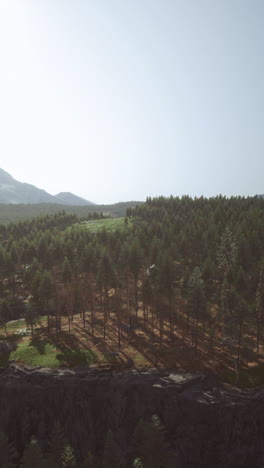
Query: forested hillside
pixel 180 282
pixel 11 213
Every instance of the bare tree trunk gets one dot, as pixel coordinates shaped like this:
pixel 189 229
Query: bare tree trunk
pixel 84 318
pixel 92 306
pixel 105 312
pixel 128 301
pixel 239 341
pixel 152 320
pixel 196 334
pixel 258 333
pixel 170 317
pixel 161 329
pixel 136 296
pixel 144 314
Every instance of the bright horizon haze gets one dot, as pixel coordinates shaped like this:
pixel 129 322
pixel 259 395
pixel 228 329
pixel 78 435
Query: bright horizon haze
pixel 117 101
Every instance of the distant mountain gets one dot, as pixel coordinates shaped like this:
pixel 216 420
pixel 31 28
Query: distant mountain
pixel 15 192
pixel 68 198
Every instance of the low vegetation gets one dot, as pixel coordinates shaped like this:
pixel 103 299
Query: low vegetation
pixel 109 224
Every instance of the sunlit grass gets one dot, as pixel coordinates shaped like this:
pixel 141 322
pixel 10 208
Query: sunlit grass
pixel 41 354
pixel 15 325
pixel 109 224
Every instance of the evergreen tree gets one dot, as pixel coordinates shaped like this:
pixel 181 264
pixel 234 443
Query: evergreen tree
pixel 226 256
pixel 196 301
pixel 137 463
pixel 31 316
pixel 42 250
pixel 5 314
pixel 32 456
pixel 150 444
pixel 66 271
pixel 112 457
pixel 90 462
pixel 8 455
pixel 56 443
pixel 260 304
pixel 45 293
pixel 135 258
pixel 67 457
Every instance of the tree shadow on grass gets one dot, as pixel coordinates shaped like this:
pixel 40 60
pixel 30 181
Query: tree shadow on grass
pixel 13 338
pixel 38 344
pixel 76 357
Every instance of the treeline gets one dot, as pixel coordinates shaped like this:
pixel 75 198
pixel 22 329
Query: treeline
pixel 149 448
pixel 12 213
pixel 188 267
pixel 59 220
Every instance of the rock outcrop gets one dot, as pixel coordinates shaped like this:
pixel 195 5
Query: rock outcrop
pixel 208 425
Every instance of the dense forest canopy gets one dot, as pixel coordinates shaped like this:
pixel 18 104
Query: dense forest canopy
pixel 178 267
pixel 179 280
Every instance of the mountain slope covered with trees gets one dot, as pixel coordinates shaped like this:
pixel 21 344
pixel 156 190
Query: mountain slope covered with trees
pixel 181 284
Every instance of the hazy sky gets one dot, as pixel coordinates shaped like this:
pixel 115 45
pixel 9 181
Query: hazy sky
pixel 118 100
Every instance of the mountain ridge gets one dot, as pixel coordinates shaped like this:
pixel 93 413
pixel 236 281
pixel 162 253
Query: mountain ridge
pixel 13 191
pixel 69 198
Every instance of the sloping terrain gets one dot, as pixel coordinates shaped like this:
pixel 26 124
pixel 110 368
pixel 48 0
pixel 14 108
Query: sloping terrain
pixel 15 192
pixel 69 198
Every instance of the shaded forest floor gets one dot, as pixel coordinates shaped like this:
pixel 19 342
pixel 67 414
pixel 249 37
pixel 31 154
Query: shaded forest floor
pixel 140 347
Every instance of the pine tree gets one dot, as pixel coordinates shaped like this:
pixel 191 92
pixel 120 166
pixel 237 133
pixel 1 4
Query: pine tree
pixel 45 292
pixel 43 249
pixel 67 457
pixel 56 443
pixel 4 313
pixel 135 258
pixel 32 456
pixel 31 316
pixel 90 461
pixel 226 256
pixel 112 457
pixel 66 271
pixel 8 454
pixel 105 275
pixel 196 301
pixel 137 463
pixel 150 444
pixel 260 304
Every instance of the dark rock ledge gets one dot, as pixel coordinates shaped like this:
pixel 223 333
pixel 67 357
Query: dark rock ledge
pixel 208 424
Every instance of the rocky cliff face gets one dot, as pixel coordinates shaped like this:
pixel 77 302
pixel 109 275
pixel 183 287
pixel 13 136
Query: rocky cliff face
pixel 207 424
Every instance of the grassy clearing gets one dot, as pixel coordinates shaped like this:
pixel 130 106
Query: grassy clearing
pixel 40 354
pixel 15 325
pixel 139 346
pixel 109 224
pixel 44 356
